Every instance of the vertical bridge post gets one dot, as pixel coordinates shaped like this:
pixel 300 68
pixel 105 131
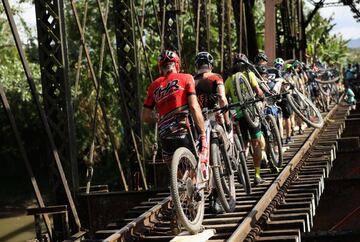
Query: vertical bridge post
pixel 270 28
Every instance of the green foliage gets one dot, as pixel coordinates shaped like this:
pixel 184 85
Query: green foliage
pixel 354 56
pixel 11 70
pixel 259 15
pixel 321 44
pixel 13 78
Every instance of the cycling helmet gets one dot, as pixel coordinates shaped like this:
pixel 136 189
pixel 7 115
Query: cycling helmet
pixel 261 56
pixel 204 58
pixel 240 58
pixel 278 61
pixel 296 64
pixel 289 67
pixel 168 56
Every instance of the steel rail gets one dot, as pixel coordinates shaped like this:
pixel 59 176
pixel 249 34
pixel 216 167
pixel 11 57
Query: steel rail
pixel 248 223
pixel 141 221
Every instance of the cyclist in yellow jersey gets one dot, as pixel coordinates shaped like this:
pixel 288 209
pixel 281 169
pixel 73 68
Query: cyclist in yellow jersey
pixel 241 71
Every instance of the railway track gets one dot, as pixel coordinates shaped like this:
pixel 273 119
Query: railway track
pixel 278 210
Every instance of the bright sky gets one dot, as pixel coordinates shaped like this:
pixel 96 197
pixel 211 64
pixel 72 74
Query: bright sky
pixel 344 20
pixel 28 15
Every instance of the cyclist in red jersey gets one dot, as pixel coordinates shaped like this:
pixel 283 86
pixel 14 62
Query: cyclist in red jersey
pixel 174 95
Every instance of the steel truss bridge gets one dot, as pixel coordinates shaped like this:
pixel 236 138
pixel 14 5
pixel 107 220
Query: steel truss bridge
pixel 123 22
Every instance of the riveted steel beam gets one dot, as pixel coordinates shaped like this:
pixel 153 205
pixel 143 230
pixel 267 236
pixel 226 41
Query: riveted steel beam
pixel 55 82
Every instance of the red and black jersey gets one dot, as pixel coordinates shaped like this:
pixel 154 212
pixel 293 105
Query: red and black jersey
pixel 170 92
pixel 206 88
pixel 170 96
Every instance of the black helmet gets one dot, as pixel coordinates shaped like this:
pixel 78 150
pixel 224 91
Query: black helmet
pixel 204 58
pixel 261 56
pixel 240 58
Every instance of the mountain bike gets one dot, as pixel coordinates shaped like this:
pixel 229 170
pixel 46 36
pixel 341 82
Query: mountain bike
pixel 188 186
pixel 302 106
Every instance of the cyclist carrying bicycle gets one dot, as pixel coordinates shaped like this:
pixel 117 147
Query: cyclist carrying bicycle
pixel 174 95
pixel 241 71
pixel 284 104
pixel 210 92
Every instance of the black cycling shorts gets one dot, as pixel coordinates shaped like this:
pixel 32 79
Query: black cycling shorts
pixel 246 129
pixel 169 145
pixel 285 108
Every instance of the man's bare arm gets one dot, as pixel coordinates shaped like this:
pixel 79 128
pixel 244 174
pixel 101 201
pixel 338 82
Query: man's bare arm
pixel 148 116
pixel 196 113
pixel 258 91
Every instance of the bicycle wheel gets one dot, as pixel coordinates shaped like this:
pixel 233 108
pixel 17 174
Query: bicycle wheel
pixel 188 200
pixel 305 109
pixel 245 93
pixel 273 141
pixel 242 170
pixel 223 174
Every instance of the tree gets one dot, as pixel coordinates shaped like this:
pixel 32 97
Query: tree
pixel 323 45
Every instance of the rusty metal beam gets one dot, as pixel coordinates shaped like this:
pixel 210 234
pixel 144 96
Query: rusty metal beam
pixel 252 45
pixel 129 87
pixel 270 28
pixel 55 82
